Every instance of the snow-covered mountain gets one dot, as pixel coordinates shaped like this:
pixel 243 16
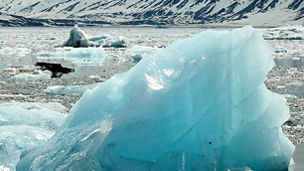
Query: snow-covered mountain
pixel 179 12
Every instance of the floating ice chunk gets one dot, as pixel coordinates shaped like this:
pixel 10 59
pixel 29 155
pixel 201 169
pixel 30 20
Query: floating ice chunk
pixel 78 38
pixel 24 126
pixel 64 90
pixel 79 55
pixel 36 75
pixel 117 42
pixel 84 53
pixel 199 104
pixel 99 39
pixel 136 53
pixel 10 71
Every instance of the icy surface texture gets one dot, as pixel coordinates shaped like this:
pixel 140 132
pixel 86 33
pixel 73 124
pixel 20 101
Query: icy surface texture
pixel 199 104
pixel 82 55
pixel 116 42
pixel 99 39
pixel 25 126
pixel 36 75
pixel 288 32
pixel 79 38
pixel 64 90
pixel 136 53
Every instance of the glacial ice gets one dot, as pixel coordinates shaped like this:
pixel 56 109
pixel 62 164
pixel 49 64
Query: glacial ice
pixel 116 42
pixel 36 75
pixel 100 38
pixel 64 90
pixel 78 38
pixel 136 53
pixel 84 54
pixel 24 126
pixel 199 104
pixel 79 55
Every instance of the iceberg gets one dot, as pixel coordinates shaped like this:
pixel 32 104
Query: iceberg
pixel 24 126
pixel 78 38
pixel 199 104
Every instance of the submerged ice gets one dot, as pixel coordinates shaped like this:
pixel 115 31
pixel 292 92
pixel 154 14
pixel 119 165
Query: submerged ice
pixel 199 104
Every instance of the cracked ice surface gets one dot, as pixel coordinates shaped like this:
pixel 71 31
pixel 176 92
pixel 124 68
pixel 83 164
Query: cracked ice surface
pixel 212 111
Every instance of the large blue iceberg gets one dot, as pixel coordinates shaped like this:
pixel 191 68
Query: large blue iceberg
pixel 199 104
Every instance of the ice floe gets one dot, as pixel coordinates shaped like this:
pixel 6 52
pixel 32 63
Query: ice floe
pixel 36 75
pixel 64 90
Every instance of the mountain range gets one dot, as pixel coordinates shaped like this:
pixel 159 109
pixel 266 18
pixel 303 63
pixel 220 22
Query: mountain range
pixel 151 12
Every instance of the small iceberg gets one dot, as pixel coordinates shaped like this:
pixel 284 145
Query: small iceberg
pixel 34 76
pixel 76 56
pixel 78 38
pixel 199 104
pixel 82 55
pixel 118 42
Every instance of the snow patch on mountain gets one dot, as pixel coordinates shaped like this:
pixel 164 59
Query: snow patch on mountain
pixel 151 12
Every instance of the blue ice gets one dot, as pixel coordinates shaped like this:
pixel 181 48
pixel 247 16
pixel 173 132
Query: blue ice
pixel 77 55
pixel 65 90
pixel 199 104
pixel 24 126
pixel 136 53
